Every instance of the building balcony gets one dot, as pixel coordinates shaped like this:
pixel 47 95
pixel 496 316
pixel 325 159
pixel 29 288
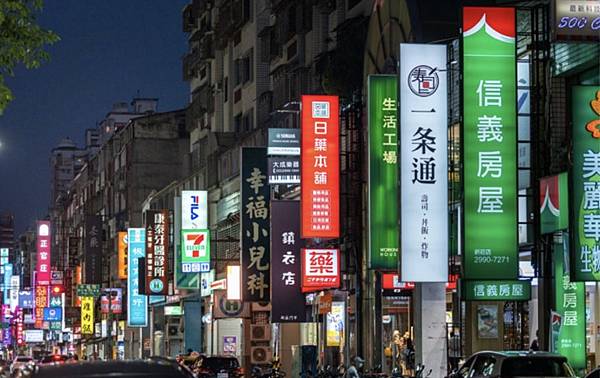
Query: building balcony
pixel 228 21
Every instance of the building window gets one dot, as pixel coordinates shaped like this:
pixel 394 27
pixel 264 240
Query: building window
pixel 225 89
pixel 237 123
pixel 247 74
pixel 246 10
pixel 248 120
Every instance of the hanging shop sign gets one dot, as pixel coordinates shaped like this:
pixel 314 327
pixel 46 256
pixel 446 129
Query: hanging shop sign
pixel 383 172
pixel 182 280
pixel 157 252
pixel 93 249
pixel 15 285
pixel 490 144
pixel 42 276
pixel 122 254
pixel 8 272
pixel 195 251
pixel 554 203
pixel 88 290
pixel 501 290
pixel 255 255
pixel 577 20
pixel 116 301
pixel 287 299
pixel 336 324
pixel 206 280
pixel 570 304
pixel 320 187
pixel 233 282
pixel 194 209
pixel 586 183
pixel 320 269
pixel 285 142
pixel 26 299
pixel 225 308
pixel 41 301
pixel 423 163
pixel 87 315
pixel 3 259
pixel 137 304
pixel 53 314
pixel 284 170
pixel 19 330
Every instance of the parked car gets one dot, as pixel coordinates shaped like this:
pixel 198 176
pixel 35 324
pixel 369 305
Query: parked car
pixel 113 369
pixel 219 367
pixel 20 362
pixel 594 373
pixel 514 364
pixel 53 359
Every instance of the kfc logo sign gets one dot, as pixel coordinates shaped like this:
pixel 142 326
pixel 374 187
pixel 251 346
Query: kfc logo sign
pixel 194 214
pixel 320 269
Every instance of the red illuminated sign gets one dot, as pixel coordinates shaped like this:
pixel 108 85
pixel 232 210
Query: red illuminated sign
pixel 41 301
pixel 43 253
pixel 320 167
pixel 320 269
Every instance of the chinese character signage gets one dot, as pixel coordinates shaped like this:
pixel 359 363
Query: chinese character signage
pixel 284 170
pixel 157 252
pixel 3 259
pixel 93 249
pixel 15 285
pixel 320 269
pixel 490 143
pixel 88 290
pixel 570 304
pixel 181 280
pixel 336 324
pixel 503 290
pixel 554 203
pixel 87 315
pixel 423 163
pixel 194 209
pixel 137 304
pixel 284 142
pixel 320 192
pixel 41 301
pixel 19 335
pixel 577 20
pixel 255 221
pixel 383 172
pixel 42 275
pixel 26 299
pixel 195 251
pixel 122 254
pixel 585 261
pixel 8 271
pixel 116 301
pixel 287 299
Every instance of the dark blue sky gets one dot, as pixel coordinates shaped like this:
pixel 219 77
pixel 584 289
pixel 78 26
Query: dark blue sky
pixel 109 50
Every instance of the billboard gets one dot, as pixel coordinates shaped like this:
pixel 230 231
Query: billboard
pixel 320 165
pixel 577 20
pixel 195 251
pixel 116 301
pixel 93 249
pixel 554 203
pixel 194 209
pixel 585 108
pixel 42 272
pixel 255 255
pixel 285 142
pixel 423 163
pixel 157 252
pixel 137 304
pixel 122 254
pixel 383 172
pixel 287 299
pixel 489 143
pixel 87 315
pixel 320 269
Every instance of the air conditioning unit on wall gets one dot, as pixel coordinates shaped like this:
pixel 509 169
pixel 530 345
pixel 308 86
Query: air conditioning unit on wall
pixel 260 332
pixel 260 355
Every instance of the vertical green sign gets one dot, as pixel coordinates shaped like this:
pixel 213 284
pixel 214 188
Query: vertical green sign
pixel 490 144
pixel 554 203
pixel 383 172
pixel 570 304
pixel 585 255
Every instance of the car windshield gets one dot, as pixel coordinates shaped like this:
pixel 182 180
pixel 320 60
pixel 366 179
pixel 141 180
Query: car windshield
pixel 536 367
pixel 215 363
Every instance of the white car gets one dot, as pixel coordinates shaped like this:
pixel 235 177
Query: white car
pixel 18 363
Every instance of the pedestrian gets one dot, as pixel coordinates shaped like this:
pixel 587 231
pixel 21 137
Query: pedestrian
pixel 355 368
pixel 408 357
pixel 535 346
pixel 454 353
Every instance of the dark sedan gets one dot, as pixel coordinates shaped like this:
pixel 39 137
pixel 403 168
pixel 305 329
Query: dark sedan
pixel 118 369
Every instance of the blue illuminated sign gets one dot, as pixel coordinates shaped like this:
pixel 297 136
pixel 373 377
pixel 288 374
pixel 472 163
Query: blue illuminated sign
pixel 137 304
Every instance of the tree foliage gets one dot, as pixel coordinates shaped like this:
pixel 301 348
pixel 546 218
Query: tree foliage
pixel 22 41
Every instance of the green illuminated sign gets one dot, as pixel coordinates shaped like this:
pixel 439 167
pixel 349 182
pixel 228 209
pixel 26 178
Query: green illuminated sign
pixel 383 172
pixel 554 203
pixel 490 144
pixel 570 304
pixel 504 290
pixel 585 107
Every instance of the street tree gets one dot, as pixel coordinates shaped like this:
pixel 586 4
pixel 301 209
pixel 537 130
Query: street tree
pixel 22 41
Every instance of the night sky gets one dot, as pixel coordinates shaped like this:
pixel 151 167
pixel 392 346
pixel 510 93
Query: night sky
pixel 109 50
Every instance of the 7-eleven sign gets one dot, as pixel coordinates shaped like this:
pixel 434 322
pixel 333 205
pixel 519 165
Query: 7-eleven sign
pixel 195 251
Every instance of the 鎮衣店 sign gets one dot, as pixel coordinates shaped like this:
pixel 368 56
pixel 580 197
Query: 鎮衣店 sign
pixel 255 255
pixel 490 143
